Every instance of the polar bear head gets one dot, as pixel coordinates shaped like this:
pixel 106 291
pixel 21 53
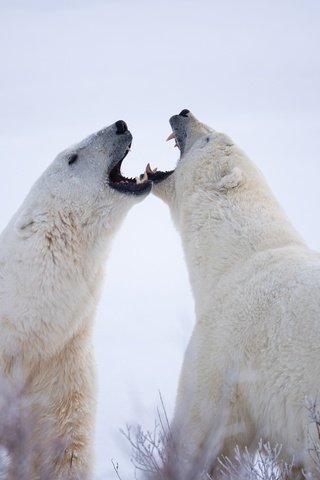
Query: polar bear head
pixel 84 187
pixel 219 200
pixel 209 161
pixel 53 251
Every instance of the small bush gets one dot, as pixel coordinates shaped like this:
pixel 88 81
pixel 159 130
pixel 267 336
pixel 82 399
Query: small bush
pixel 155 456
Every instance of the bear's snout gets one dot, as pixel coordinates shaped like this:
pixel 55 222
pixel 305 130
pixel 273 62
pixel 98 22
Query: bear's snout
pixel 184 112
pixel 121 126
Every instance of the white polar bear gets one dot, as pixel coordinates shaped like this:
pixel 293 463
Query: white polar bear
pixel 52 257
pixel 255 350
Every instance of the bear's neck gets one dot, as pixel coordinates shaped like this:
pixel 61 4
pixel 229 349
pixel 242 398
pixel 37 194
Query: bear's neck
pixel 55 277
pixel 221 234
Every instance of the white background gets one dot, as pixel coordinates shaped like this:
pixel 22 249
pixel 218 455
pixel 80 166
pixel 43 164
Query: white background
pixel 67 68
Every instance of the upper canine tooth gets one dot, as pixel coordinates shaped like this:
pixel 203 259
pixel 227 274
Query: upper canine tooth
pixel 171 136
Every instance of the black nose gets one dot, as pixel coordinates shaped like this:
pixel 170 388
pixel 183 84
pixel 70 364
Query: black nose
pixel 184 112
pixel 121 127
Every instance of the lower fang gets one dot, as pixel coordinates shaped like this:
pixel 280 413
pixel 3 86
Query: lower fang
pixel 149 169
pixel 142 178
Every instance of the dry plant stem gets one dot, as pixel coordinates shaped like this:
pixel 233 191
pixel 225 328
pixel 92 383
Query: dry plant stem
pixel 154 455
pixel 116 469
pixel 263 464
pixel 312 406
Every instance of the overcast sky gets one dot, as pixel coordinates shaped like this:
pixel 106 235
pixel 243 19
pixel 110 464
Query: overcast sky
pixel 249 68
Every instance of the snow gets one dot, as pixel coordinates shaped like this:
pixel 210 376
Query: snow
pixel 68 68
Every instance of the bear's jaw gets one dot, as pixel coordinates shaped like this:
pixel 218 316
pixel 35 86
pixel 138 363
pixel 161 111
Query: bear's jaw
pixel 181 125
pixel 157 176
pixel 136 186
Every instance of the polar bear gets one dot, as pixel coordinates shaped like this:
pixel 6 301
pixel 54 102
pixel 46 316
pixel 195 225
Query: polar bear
pixel 52 257
pixel 254 353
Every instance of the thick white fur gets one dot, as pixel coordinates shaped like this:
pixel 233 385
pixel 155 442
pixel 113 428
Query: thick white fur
pixel 52 258
pixel 254 353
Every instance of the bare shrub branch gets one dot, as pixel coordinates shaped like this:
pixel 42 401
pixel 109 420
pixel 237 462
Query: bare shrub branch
pixel 116 469
pixel 312 406
pixel 155 456
pixel 151 449
pixel 263 464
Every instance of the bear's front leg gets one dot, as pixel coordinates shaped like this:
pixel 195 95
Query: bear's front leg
pixel 75 415
pixel 64 404
pixel 74 459
pixel 210 418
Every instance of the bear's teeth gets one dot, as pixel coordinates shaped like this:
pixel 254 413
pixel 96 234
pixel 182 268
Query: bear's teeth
pixel 171 136
pixel 138 179
pixel 150 170
pixel 142 178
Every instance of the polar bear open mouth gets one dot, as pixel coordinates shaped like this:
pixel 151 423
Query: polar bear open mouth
pixel 138 185
pixel 179 135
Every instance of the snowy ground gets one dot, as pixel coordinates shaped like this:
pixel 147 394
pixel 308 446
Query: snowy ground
pixel 67 68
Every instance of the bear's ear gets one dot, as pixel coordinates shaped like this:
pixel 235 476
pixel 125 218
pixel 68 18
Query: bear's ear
pixel 24 226
pixel 231 180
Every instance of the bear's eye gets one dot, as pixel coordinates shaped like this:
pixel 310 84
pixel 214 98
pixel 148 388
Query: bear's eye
pixel 73 158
